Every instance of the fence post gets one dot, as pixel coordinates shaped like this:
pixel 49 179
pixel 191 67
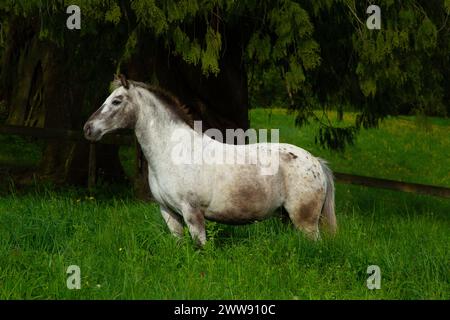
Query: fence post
pixel 92 169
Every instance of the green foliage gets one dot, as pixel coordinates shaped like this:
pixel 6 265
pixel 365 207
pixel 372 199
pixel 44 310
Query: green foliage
pixel 402 68
pixel 335 138
pixel 150 15
pixel 130 46
pixel 113 14
pixel 402 64
pixel 193 51
pixel 286 41
pixel 266 88
pixel 447 6
pixel 285 30
pixel 210 56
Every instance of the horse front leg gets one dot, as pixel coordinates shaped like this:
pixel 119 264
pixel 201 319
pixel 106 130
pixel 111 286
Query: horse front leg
pixel 195 221
pixel 173 221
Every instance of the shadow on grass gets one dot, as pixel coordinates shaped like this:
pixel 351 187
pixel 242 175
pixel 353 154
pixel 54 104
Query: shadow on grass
pixel 388 203
pixel 22 182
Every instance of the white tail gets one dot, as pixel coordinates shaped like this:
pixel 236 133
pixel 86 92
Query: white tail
pixel 328 216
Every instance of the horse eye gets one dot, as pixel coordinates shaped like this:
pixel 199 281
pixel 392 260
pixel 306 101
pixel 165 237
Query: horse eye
pixel 116 102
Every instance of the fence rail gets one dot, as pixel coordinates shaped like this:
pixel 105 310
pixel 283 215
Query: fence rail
pixel 63 134
pixel 392 185
pixel 128 139
pixel 71 135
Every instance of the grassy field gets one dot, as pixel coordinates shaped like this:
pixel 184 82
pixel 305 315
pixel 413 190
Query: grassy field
pixel 125 251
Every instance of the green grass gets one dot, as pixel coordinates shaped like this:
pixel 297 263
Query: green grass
pixel 125 251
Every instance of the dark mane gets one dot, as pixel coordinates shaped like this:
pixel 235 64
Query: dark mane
pixel 179 111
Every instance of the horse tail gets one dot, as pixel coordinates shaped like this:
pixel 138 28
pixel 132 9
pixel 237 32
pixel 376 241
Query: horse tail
pixel 328 216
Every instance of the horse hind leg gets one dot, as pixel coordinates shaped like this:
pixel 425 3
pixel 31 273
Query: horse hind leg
pixel 305 217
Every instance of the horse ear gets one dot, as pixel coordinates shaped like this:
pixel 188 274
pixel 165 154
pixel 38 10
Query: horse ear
pixel 116 77
pixel 124 81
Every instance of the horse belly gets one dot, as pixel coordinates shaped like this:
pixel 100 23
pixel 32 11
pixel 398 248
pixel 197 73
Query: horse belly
pixel 246 200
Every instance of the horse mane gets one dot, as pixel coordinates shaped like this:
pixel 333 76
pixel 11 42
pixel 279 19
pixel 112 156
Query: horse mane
pixel 178 110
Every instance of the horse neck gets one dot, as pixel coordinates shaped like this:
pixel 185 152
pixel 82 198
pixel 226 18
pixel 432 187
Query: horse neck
pixel 154 128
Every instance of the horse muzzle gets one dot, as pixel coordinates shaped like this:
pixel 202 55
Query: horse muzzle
pixel 90 133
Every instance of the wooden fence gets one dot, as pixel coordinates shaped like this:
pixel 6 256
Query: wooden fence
pixel 128 139
pixel 62 134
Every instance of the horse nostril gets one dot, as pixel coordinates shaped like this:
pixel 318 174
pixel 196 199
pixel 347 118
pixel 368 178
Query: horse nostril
pixel 87 129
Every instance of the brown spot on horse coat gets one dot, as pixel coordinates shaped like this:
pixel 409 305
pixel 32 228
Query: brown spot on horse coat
pixel 247 204
pixel 247 196
pixel 289 156
pixel 309 212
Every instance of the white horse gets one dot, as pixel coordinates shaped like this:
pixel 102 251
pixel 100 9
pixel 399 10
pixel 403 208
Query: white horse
pixel 233 193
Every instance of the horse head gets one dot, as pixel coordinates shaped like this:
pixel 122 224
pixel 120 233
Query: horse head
pixel 117 112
